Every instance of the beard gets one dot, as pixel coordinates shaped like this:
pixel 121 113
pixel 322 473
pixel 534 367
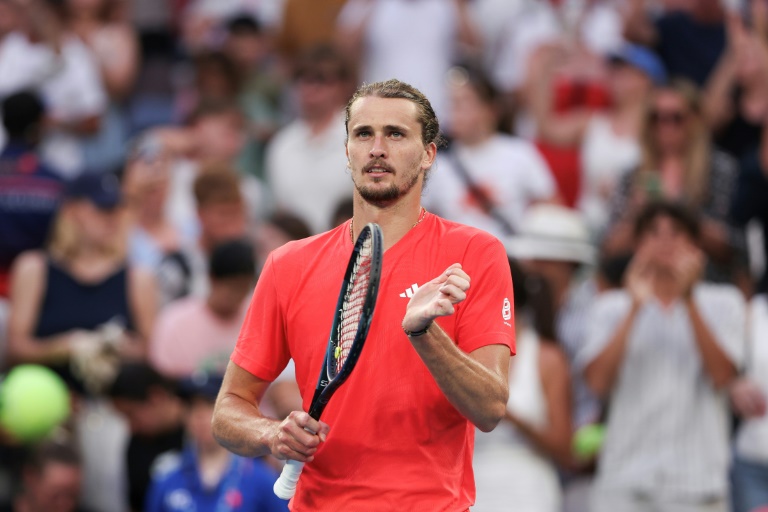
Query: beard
pixel 380 196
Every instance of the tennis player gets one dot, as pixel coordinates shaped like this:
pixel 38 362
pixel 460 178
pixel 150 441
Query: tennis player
pixel 399 434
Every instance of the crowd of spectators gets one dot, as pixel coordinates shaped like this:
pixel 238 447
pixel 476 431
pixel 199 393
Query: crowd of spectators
pixel 153 153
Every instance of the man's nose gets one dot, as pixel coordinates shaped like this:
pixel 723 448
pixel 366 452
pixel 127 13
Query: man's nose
pixel 378 149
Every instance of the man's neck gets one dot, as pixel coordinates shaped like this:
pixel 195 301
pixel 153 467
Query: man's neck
pixel 395 219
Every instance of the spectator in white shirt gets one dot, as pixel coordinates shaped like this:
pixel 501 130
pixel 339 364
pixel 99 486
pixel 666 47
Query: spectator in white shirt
pixel 662 352
pixel 305 169
pixel 487 179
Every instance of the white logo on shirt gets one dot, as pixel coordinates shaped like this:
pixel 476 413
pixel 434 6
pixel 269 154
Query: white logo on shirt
pixel 408 293
pixel 506 309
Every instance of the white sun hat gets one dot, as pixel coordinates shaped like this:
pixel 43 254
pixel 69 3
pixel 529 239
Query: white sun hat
pixel 552 233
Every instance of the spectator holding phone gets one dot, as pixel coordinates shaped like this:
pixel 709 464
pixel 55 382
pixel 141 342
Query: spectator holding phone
pixel 679 163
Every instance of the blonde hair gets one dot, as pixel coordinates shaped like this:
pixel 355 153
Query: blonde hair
pixel 64 242
pixel 697 152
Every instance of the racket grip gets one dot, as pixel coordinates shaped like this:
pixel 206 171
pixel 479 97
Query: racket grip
pixel 285 486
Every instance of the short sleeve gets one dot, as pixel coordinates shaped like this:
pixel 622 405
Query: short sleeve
pixel 603 319
pixel 726 305
pixel 486 317
pixel 261 347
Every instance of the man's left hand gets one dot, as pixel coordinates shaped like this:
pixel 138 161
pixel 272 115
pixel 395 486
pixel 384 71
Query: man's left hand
pixel 436 298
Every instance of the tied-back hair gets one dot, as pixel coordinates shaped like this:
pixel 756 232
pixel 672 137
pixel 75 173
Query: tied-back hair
pixel 533 301
pixel 64 239
pixel 393 88
pixel 697 152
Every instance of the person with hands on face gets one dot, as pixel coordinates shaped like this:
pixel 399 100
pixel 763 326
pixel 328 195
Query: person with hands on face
pixel 399 434
pixel 662 352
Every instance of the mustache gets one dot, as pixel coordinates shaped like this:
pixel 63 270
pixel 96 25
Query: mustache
pixel 377 163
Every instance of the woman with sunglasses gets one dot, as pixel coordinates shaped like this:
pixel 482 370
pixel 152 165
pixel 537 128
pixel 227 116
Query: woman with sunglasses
pixel 680 163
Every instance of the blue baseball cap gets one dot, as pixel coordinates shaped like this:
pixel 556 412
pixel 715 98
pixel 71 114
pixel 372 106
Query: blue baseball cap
pixel 641 58
pixel 102 189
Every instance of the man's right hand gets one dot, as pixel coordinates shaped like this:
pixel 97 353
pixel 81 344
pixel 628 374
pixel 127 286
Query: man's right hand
pixel 298 437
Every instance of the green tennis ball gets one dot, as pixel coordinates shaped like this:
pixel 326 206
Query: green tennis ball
pixel 587 440
pixel 33 401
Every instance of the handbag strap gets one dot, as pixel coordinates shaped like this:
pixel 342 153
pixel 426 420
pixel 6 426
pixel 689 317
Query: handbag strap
pixel 482 197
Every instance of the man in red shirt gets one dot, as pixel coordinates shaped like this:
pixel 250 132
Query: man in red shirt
pixel 399 434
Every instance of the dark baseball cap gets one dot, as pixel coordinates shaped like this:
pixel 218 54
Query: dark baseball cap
pixel 203 385
pixel 101 189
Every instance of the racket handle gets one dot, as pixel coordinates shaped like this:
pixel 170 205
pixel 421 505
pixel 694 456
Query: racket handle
pixel 285 486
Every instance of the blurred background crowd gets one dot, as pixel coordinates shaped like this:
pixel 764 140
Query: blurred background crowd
pixel 153 153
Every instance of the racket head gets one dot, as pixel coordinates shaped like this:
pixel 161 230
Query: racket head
pixel 353 314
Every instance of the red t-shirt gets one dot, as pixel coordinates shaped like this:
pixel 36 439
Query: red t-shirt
pixel 395 443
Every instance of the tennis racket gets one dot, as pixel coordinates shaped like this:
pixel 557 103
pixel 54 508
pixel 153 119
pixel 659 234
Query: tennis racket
pixel 354 311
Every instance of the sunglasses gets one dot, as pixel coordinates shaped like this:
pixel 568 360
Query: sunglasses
pixel 674 117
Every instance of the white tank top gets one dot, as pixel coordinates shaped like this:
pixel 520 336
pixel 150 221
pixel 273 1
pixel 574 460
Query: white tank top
pixel 526 394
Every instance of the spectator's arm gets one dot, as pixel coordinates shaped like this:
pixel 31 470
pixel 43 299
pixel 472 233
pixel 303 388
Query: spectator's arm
pixel 119 64
pixel 717 103
pixel 638 26
pixel 143 297
pixel 351 26
pixel 42 22
pixel 600 374
pixel 716 362
pixel 469 37
pixel 28 277
pixel 748 399
pixel 83 126
pixel 560 129
pixel 554 439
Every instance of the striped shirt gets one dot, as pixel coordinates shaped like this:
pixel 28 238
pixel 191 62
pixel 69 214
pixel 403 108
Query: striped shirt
pixel 667 431
pixel 571 326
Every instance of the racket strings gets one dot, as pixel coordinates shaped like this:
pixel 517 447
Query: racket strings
pixel 354 300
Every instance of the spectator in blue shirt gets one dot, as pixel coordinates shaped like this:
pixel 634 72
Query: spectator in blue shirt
pixel 29 190
pixel 205 476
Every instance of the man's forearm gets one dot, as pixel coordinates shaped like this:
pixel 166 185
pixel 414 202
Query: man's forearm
pixel 476 391
pixel 716 363
pixel 241 428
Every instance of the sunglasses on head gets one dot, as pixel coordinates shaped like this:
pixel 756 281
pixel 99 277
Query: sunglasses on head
pixel 675 117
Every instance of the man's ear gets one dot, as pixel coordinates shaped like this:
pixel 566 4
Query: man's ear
pixel 429 157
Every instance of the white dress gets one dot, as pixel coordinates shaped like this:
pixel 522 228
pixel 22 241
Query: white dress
pixel 509 473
